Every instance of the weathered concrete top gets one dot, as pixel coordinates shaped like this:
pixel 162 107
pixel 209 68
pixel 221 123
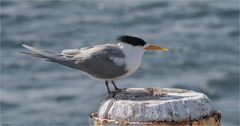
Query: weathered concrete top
pixel 155 104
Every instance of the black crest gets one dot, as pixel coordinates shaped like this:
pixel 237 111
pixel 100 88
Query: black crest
pixel 131 40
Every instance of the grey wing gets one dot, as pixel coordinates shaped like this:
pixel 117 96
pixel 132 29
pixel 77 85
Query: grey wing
pixel 101 65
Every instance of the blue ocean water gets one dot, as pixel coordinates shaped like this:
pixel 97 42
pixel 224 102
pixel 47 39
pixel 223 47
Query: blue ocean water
pixel 202 37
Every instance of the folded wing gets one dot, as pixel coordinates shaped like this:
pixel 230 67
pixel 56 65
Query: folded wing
pixel 97 61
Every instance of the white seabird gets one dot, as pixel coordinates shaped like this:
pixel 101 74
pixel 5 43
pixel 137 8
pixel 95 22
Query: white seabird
pixel 107 62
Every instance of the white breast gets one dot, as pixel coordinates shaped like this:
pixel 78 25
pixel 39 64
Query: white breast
pixel 133 58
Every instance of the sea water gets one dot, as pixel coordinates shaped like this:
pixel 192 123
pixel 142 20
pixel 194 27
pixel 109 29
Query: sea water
pixel 202 37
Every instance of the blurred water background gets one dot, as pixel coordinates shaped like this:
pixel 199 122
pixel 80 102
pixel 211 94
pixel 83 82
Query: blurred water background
pixel 203 38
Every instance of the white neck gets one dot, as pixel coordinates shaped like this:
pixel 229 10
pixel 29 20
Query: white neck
pixel 133 56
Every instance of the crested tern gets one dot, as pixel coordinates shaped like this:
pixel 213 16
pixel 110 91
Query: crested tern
pixel 107 62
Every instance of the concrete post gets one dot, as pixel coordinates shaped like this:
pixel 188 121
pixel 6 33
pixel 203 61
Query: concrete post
pixel 156 106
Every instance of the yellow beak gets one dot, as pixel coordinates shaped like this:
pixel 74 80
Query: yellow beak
pixel 155 47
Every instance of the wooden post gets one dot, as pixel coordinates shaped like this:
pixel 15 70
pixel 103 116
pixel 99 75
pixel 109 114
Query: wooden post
pixel 156 106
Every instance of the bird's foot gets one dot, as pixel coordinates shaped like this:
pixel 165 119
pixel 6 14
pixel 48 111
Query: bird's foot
pixel 117 90
pixel 113 93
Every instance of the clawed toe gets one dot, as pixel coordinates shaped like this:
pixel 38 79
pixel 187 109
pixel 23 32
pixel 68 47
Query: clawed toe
pixel 117 90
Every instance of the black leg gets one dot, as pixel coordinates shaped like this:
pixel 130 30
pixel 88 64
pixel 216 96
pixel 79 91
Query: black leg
pixel 116 88
pixel 106 83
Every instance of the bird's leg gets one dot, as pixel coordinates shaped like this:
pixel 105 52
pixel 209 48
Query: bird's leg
pixel 106 83
pixel 116 88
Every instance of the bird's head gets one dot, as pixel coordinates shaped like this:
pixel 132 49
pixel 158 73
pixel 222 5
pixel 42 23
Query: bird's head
pixel 138 42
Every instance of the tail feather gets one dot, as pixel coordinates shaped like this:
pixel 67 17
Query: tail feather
pixel 34 52
pixel 50 56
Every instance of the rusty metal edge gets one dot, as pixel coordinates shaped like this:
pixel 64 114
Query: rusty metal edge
pixel 213 119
